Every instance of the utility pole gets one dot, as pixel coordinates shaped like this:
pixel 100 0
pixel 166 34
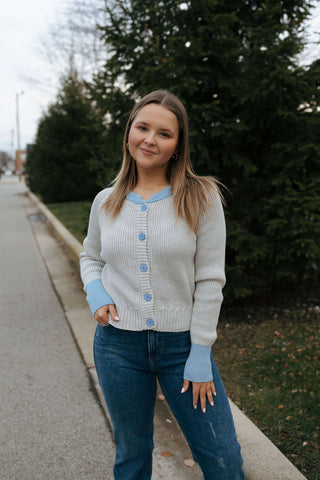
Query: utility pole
pixel 12 141
pixel 18 119
pixel 18 153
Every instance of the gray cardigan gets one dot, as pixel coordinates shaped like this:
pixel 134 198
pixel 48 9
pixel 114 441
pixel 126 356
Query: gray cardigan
pixel 157 271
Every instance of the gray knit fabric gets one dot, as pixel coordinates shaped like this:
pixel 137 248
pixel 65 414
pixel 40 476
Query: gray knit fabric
pixel 180 273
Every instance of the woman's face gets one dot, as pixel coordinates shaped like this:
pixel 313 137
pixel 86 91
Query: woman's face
pixel 153 138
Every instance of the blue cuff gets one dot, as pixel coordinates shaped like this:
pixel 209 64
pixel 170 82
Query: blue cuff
pixel 198 366
pixel 97 296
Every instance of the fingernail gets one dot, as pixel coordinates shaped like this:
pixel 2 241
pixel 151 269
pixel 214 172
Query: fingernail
pixel 204 410
pixel 195 407
pixel 116 318
pixel 182 390
pixel 211 403
pixel 214 393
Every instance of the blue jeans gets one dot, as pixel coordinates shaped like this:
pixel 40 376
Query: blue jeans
pixel 128 364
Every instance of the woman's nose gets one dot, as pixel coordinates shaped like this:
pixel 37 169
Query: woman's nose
pixel 150 138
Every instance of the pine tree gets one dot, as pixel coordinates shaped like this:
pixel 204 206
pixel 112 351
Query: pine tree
pixel 66 162
pixel 254 118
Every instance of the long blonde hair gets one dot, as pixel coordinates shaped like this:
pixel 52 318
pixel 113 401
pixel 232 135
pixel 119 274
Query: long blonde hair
pixel 190 192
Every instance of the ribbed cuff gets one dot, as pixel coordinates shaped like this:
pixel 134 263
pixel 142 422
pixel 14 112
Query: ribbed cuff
pixel 97 296
pixel 198 366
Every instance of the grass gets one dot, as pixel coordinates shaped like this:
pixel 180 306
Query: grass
pixel 268 356
pixel 74 216
pixel 271 371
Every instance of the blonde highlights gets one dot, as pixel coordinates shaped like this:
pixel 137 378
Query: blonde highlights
pixel 190 193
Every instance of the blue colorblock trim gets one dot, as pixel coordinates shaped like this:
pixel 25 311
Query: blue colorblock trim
pixel 97 296
pixel 135 198
pixel 198 366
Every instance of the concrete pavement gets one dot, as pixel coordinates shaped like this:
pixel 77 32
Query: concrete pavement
pixel 51 425
pixel 263 461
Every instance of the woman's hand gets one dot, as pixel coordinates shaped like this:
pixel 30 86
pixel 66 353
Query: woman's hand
pixel 102 317
pixel 202 390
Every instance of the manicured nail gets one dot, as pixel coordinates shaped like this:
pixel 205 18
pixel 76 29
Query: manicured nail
pixel 211 403
pixel 215 394
pixel 195 407
pixel 204 410
pixel 116 318
pixel 182 390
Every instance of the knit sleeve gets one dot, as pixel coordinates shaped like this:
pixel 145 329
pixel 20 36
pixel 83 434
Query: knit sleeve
pixel 198 366
pixel 209 275
pixel 97 296
pixel 91 263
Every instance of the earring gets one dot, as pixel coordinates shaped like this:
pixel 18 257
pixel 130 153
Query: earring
pixel 175 157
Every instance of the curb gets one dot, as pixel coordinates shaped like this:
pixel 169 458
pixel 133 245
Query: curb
pixel 262 459
pixel 60 230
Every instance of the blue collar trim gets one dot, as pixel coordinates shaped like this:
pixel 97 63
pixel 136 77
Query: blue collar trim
pixel 135 198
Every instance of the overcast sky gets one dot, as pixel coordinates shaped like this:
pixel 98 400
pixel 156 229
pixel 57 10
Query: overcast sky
pixel 22 25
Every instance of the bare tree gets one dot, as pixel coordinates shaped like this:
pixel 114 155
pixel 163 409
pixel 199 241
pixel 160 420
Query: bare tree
pixel 4 161
pixel 73 42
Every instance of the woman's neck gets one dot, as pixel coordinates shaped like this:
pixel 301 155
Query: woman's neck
pixel 147 189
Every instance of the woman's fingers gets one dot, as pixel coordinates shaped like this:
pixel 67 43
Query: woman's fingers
pixel 102 314
pixel 210 396
pixel 195 393
pixel 185 386
pixel 203 391
pixel 206 394
pixel 113 312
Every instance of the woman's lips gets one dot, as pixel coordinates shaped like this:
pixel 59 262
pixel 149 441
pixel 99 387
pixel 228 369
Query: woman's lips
pixel 147 152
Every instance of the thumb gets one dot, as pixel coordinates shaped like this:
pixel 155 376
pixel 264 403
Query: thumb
pixel 185 386
pixel 113 312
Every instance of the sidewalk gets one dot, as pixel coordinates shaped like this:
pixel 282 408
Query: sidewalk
pixel 262 460
pixel 52 426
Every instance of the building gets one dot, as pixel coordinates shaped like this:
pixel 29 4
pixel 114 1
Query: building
pixel 21 158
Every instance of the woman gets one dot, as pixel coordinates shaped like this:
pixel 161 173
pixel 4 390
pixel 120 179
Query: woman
pixel 153 271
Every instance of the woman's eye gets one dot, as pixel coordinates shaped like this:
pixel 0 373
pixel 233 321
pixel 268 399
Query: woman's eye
pixel 143 129
pixel 164 134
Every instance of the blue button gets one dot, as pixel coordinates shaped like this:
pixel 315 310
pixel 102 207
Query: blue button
pixel 147 297
pixel 143 267
pixel 150 322
pixel 144 207
pixel 142 236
